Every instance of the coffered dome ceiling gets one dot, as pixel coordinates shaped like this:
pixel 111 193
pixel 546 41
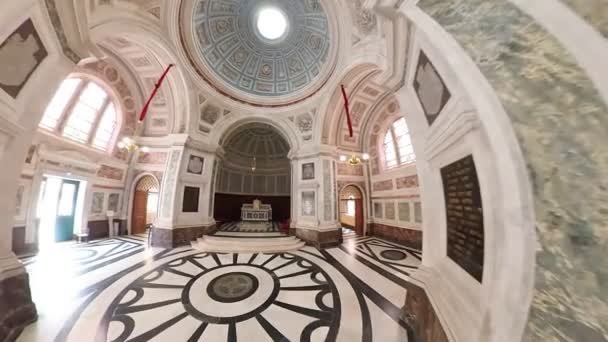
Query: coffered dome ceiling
pixel 263 52
pixel 256 140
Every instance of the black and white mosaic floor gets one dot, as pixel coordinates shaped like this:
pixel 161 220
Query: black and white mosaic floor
pixel 120 290
pixel 260 227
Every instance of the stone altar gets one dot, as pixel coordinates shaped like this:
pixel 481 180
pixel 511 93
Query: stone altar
pixel 256 212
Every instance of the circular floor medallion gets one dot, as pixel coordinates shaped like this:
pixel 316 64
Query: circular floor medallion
pixel 232 287
pixel 230 293
pixel 393 255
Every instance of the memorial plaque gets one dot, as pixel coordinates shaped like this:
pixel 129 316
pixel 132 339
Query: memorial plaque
pixel 190 200
pixel 308 171
pixel 465 229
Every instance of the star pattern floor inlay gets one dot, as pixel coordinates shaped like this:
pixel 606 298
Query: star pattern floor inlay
pixel 121 290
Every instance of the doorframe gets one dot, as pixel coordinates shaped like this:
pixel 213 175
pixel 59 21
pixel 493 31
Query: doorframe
pixel 75 201
pixel 63 164
pixel 33 223
pixel 363 200
pixel 132 195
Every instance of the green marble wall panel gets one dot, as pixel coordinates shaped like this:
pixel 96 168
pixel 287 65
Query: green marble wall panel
pixel 595 12
pixel 562 125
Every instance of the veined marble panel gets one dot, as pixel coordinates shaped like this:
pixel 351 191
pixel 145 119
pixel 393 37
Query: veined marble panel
pixel 562 126
pixel 172 170
pixel 328 197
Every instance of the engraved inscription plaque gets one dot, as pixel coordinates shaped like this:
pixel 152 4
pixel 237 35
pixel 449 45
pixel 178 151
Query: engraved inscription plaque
pixel 465 229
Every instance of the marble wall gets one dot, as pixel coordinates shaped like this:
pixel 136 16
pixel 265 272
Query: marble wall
pixel 408 237
pixel 246 183
pixel 562 127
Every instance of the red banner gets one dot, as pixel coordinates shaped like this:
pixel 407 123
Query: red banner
pixel 144 110
pixel 350 124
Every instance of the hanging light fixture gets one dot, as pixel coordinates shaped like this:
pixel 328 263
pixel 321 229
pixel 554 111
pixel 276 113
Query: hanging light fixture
pixel 355 160
pixel 253 164
pixel 130 145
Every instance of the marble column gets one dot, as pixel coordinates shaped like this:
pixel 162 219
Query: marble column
pixel 314 200
pixel 16 306
pixel 190 167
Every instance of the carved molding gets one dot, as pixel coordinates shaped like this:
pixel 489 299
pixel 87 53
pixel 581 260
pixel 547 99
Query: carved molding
pixel 446 132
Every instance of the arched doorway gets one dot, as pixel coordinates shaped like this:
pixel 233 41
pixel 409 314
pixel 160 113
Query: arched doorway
pixel 254 167
pixel 145 204
pixel 351 209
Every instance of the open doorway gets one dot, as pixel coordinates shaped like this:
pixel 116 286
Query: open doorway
pixel 351 209
pixel 59 210
pixel 145 204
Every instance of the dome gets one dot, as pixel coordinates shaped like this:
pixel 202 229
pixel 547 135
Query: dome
pixel 257 140
pixel 264 52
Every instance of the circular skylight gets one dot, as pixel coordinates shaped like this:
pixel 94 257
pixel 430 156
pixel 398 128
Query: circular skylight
pixel 263 52
pixel 272 23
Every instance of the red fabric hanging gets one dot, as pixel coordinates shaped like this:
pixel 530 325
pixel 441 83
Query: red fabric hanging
pixel 144 110
pixel 348 120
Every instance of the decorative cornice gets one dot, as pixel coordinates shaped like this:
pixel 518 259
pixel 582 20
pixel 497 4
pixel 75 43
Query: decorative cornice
pixel 59 30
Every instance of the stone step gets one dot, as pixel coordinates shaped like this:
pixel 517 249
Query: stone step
pixel 249 240
pixel 249 235
pixel 349 235
pixel 244 245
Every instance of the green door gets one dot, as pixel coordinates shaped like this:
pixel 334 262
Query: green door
pixel 66 210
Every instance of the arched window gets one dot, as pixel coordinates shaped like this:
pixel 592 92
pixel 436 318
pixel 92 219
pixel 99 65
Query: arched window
pixel 397 145
pixel 84 112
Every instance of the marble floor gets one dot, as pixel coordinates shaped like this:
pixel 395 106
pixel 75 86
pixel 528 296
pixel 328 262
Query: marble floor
pixel 259 227
pixel 121 290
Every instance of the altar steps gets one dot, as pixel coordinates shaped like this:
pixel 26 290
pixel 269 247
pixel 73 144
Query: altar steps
pixel 348 234
pixel 248 243
pixel 249 235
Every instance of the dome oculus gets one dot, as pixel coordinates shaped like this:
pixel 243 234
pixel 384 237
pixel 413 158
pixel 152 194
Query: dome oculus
pixel 262 51
pixel 271 23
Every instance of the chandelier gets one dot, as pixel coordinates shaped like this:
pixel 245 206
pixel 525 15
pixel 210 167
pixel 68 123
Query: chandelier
pixel 355 160
pixel 130 145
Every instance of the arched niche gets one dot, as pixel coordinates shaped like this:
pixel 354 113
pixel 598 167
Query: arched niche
pixel 227 125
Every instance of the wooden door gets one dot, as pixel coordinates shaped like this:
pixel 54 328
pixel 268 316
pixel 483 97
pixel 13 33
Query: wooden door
pixel 359 216
pixel 138 218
